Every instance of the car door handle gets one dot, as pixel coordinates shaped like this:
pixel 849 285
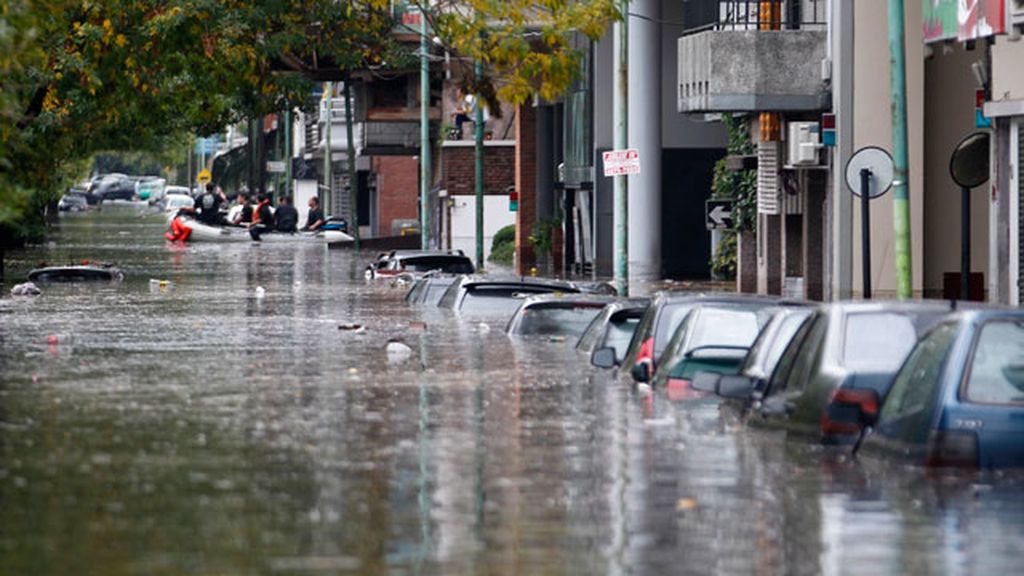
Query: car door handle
pixel 777 406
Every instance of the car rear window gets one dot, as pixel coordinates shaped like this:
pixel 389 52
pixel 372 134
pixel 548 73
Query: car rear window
pixel 450 265
pixel 997 367
pixel 877 341
pixel 495 299
pixel 565 320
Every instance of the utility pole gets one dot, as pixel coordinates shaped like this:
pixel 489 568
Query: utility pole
pixel 288 153
pixel 478 121
pixel 353 188
pixel 620 215
pixel 901 172
pixel 328 177
pixel 425 174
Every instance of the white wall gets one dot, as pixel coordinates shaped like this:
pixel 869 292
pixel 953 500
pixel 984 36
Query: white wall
pixel 463 222
pixel 303 190
pixel 1007 79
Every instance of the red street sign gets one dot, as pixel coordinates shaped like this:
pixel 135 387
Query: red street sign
pixel 618 162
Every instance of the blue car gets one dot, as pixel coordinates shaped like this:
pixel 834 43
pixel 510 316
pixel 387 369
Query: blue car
pixel 958 400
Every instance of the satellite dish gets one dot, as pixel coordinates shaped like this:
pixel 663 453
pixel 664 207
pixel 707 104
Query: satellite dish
pixel 969 164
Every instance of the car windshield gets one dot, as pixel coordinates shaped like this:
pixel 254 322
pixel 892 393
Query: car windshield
pixel 568 319
pixel 877 341
pixel 447 264
pixel 997 368
pixel 727 327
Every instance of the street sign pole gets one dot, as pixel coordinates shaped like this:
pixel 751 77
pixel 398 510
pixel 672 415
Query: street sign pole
pixel 965 243
pixel 901 171
pixel 865 228
pixel 425 168
pixel 620 210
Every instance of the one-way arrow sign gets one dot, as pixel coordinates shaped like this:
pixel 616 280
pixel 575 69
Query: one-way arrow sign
pixel 718 214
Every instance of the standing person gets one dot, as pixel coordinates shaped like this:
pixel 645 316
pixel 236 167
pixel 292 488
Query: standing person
pixel 262 219
pixel 244 216
pixel 315 219
pixel 286 217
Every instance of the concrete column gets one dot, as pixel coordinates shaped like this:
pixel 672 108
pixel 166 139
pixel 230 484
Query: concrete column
pixel 545 161
pixel 840 209
pixel 769 258
pixel 746 262
pixel 526 185
pixel 814 251
pixel 645 189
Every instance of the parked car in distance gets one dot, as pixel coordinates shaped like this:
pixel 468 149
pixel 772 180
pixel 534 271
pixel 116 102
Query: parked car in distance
pixel 73 203
pixel 958 400
pixel 494 297
pixel 415 263
pixel 714 337
pixel 666 311
pixel 762 358
pixel 112 187
pixel 171 203
pixel 428 290
pixel 847 353
pixel 150 188
pixel 612 329
pixel 556 315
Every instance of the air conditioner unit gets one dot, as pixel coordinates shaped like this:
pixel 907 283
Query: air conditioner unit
pixel 803 143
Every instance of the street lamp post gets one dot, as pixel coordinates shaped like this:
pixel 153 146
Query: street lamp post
pixel 425 173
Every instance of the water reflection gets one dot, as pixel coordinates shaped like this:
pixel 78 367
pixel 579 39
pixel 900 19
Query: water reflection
pixel 201 428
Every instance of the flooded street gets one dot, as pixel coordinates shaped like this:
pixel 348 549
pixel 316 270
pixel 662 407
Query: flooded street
pixel 195 427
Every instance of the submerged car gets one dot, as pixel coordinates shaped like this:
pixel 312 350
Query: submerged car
pixel 556 315
pixel 494 297
pixel 612 330
pixel 664 315
pixel 428 290
pixel 845 354
pixel 760 361
pixel 714 337
pixel 73 203
pixel 958 400
pixel 415 263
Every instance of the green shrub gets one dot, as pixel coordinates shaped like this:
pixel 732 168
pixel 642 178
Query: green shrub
pixel 503 246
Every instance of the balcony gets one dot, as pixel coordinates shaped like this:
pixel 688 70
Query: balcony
pixel 759 56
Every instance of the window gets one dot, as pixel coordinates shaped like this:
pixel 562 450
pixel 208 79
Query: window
pixel 780 377
pixel 877 341
pixel 913 390
pixel 803 368
pixel 671 317
pixel 997 367
pixel 620 331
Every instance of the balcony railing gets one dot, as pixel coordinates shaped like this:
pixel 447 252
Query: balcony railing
pixel 767 15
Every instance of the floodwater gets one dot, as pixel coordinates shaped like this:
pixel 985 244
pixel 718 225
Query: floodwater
pixel 194 427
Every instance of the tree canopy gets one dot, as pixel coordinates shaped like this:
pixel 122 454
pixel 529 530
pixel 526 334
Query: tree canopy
pixel 81 76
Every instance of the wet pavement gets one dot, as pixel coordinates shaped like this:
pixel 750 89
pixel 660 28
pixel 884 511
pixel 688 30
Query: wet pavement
pixel 196 427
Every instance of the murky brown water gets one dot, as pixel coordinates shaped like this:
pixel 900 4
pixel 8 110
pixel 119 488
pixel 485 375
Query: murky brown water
pixel 200 429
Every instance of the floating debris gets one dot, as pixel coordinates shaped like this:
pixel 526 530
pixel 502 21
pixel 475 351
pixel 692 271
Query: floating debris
pixel 352 327
pixel 261 291
pixel 26 289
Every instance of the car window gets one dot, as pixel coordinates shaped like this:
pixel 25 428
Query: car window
pixel 589 337
pixel 620 332
pixel 913 389
pixel 448 300
pixel 556 320
pixel 803 368
pixel 495 299
pixel 877 341
pixel 997 366
pixel 434 292
pixel 671 317
pixel 726 327
pixel 643 330
pixel 781 374
pixel 769 345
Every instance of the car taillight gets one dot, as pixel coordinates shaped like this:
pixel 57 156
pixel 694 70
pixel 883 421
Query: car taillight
pixel 681 389
pixel 847 410
pixel 953 448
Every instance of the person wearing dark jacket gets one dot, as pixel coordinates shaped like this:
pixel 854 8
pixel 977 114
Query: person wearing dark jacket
pixel 286 217
pixel 244 216
pixel 207 207
pixel 315 219
pixel 262 218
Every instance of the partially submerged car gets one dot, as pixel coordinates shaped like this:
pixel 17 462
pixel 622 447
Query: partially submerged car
pixel 664 315
pixel 556 315
pixel 428 289
pixel 496 297
pixel 845 354
pixel 612 329
pixel 415 263
pixel 714 337
pixel 958 400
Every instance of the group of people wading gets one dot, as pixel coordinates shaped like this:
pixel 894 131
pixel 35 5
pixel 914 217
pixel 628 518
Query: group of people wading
pixel 260 218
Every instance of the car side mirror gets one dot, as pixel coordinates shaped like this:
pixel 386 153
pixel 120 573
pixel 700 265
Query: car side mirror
pixel 735 386
pixel 603 358
pixel 641 372
pixel 706 382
